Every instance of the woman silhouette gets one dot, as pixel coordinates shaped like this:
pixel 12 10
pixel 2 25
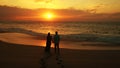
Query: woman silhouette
pixel 48 43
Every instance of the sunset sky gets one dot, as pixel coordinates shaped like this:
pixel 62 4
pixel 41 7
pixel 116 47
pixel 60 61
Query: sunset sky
pixel 79 9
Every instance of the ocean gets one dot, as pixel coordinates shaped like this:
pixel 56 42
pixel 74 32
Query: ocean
pixel 76 34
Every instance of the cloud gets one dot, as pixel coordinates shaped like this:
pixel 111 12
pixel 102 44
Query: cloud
pixel 46 1
pixel 65 14
pixel 96 8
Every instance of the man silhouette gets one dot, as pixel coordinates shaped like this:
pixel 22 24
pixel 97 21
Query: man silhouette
pixel 56 40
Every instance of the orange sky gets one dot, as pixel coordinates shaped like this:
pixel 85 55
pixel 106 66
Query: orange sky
pixel 98 5
pixel 63 10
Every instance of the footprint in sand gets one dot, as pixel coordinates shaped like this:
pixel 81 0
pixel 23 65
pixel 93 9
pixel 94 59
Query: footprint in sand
pixel 59 61
pixel 43 61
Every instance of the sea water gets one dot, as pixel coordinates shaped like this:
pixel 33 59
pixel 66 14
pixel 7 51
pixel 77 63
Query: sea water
pixel 72 33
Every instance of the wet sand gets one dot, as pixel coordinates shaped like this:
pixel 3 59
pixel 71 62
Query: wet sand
pixel 22 56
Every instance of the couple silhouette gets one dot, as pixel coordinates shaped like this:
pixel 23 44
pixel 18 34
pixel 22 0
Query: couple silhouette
pixel 55 40
pixel 49 39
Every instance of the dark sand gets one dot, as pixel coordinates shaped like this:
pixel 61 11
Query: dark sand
pixel 22 56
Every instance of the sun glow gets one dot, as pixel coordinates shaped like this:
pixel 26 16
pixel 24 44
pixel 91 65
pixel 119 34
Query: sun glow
pixel 49 16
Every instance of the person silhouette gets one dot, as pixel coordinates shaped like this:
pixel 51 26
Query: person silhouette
pixel 56 40
pixel 48 43
pixel 47 54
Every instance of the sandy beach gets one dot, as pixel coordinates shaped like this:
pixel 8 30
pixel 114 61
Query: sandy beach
pixel 86 32
pixel 22 56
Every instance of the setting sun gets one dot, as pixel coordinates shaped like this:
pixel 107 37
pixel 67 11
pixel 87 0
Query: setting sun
pixel 49 16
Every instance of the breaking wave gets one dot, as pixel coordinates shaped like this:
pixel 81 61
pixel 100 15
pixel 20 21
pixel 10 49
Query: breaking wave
pixel 115 39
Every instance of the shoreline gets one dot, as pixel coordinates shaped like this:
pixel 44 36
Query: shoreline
pixel 83 45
